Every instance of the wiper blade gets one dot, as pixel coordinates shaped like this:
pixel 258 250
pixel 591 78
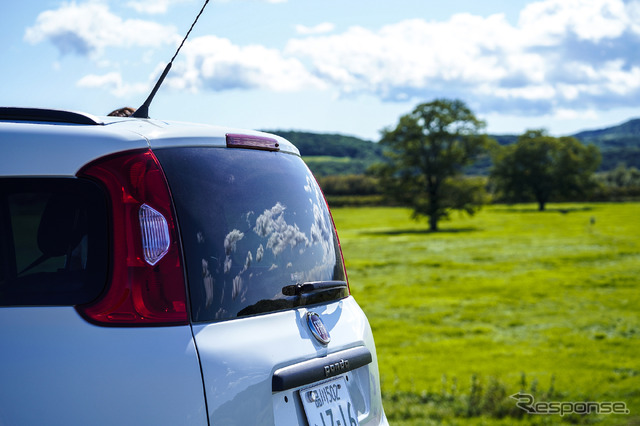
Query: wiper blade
pixel 312 287
pixel 301 294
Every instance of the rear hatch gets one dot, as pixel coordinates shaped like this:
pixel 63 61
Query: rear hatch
pixel 279 337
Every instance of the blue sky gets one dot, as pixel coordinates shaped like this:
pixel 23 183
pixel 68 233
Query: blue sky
pixel 349 66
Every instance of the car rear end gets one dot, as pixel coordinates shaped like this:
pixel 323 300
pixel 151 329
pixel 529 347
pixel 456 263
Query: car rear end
pixel 218 293
pixel 273 320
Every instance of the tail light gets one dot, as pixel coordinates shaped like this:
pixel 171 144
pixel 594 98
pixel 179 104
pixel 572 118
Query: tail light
pixel 147 284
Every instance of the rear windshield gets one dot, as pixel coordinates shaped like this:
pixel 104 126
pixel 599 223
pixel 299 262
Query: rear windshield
pixel 253 223
pixel 53 241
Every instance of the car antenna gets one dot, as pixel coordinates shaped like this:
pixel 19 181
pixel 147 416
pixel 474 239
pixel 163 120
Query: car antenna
pixel 143 111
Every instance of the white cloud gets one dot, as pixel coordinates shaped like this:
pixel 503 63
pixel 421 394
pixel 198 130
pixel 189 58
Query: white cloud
pixel 272 225
pixel 546 21
pixel 88 28
pixel 570 114
pixel 113 83
pixel 325 27
pixel 561 53
pixel 408 56
pixel 215 63
pixel 265 1
pixel 633 9
pixel 153 7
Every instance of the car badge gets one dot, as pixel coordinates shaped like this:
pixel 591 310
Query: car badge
pixel 317 328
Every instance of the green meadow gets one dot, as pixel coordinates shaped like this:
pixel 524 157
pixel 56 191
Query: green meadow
pixel 510 300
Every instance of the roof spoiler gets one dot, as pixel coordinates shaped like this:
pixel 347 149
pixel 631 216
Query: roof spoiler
pixel 47 116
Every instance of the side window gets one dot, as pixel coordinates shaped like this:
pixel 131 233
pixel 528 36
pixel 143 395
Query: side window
pixel 53 241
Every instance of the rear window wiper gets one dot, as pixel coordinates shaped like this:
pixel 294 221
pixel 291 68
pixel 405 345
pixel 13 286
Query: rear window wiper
pixel 301 294
pixel 315 287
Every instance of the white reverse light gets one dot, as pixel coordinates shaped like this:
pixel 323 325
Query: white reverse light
pixel 155 234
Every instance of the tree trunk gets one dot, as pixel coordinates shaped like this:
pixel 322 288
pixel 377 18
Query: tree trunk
pixel 433 183
pixel 541 206
pixel 433 223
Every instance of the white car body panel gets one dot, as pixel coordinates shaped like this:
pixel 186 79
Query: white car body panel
pixel 58 150
pixel 58 369
pixel 240 356
pixel 49 146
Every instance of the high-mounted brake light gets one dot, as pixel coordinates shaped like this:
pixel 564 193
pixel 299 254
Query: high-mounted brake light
pixel 147 284
pixel 252 142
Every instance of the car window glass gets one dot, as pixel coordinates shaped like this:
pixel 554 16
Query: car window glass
pixel 53 241
pixel 252 222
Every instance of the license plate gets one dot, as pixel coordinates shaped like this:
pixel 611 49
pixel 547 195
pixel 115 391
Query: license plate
pixel 329 404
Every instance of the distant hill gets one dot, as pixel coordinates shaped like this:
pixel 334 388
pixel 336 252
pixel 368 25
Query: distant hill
pixel 334 145
pixel 617 144
pixel 613 137
pixel 331 154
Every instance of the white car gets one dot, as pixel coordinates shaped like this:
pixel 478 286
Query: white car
pixel 160 273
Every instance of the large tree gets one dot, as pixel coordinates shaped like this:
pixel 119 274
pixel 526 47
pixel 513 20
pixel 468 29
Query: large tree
pixel 426 153
pixel 540 166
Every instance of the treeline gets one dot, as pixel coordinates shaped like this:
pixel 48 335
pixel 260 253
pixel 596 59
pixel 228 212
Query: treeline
pixel 353 190
pixel 620 184
pixel 344 166
pixel 335 154
pixel 331 145
pixel 335 166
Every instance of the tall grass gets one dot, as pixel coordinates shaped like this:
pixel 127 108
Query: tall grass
pixel 510 300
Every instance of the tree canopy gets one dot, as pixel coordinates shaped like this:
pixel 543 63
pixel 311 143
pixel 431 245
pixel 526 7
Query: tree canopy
pixel 540 166
pixel 426 153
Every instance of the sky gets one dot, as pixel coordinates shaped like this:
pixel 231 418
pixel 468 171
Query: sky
pixel 333 66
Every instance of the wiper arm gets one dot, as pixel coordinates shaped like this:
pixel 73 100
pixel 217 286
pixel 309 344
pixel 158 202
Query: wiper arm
pixel 312 287
pixel 300 294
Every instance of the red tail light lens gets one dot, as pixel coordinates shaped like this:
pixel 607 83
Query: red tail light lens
pixel 147 279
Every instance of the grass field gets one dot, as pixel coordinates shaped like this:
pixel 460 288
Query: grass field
pixel 510 300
